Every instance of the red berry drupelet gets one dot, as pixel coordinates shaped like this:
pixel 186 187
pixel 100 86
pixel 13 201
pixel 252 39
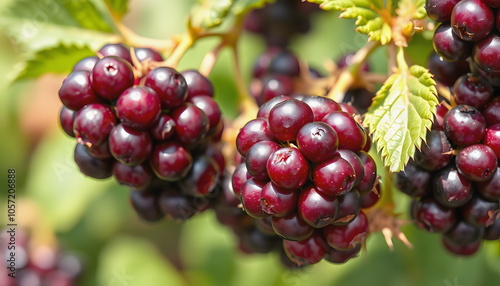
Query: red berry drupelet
pixel 156 133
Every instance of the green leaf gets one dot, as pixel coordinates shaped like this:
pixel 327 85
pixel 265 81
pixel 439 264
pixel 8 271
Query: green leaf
pixel 34 35
pixel 210 13
pixel 60 60
pixel 243 6
pixel 119 7
pixel 401 113
pixel 60 190
pixel 420 13
pixel 86 15
pixel 78 13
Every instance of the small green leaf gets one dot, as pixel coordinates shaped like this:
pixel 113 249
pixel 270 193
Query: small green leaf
pixel 421 13
pixel 243 6
pixel 60 60
pixel 119 7
pixel 401 113
pixel 210 13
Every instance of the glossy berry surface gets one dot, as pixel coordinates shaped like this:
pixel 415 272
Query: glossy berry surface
pixel 472 20
pixel 117 50
pixel 469 90
pixel 334 177
pixel 292 227
pixel 111 76
pixel 349 207
pixel 413 181
pixel 143 54
pixel 129 146
pixel 135 177
pixel 309 251
pixel 250 194
pixel 317 141
pixel 352 135
pixel 288 168
pixel 491 189
pixel 477 212
pixel 348 236
pixel 239 177
pixel 491 112
pixel 477 162
pixel 76 91
pixel 274 86
pixel 356 163
pixel 277 201
pixel 93 123
pixel 444 71
pixel 198 84
pixel 287 117
pixel 170 161
pixel 210 107
pixel 486 53
pixel 448 45
pixel 202 177
pixel 492 138
pixel 464 125
pixel 316 209
pixel 266 107
pixel 252 132
pixel 435 153
pixel 321 106
pixel 432 217
pixel 90 166
pixel 66 120
pixel 86 64
pixel 440 10
pixel 369 173
pixel 138 107
pixel 191 124
pixel 451 189
pixel 170 86
pixel 163 128
pixel 257 156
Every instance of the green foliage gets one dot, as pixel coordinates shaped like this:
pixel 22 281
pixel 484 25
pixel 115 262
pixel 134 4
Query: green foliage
pixel 401 113
pixel 119 7
pixel 372 17
pixel 60 60
pixel 211 13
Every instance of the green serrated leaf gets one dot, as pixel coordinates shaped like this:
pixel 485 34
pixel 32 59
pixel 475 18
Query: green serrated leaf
pixel 33 36
pixel 401 113
pixel 77 13
pixel 210 13
pixel 86 15
pixel 60 60
pixel 119 7
pixel 243 6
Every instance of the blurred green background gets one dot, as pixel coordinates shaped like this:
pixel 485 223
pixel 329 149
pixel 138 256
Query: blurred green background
pixel 94 220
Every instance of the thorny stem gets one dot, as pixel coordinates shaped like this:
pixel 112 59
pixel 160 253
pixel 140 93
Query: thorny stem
pixel 346 77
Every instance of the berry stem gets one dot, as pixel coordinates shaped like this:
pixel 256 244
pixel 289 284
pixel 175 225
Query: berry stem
pixel 131 38
pixel 347 76
pixel 209 60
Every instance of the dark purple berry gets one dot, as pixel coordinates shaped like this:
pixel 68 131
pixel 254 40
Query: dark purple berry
pixel 287 117
pixel 136 177
pixel 201 180
pixel 334 177
pixel 348 236
pixel 316 209
pixel 129 146
pixel 117 50
pixel 432 217
pixel 472 20
pixel 277 201
pixel 352 135
pixel 86 64
pixel 464 125
pixel 292 227
pixel 477 163
pixel 306 252
pixel 170 86
pixel 66 120
pixel 317 141
pixel 145 204
pixel 90 166
pixel 288 168
pixel 254 131
pixel 450 46
pixel 452 189
pixel 191 124
pixel 349 207
pixel 138 107
pixel 170 161
pixel 76 91
pixel 198 84
pixel 93 123
pixel 435 153
pixel 163 128
pixel 111 76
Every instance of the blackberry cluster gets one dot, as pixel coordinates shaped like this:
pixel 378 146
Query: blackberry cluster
pixel 306 176
pixel 152 129
pixel 279 21
pixel 37 265
pixel 454 177
pixel 467 30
